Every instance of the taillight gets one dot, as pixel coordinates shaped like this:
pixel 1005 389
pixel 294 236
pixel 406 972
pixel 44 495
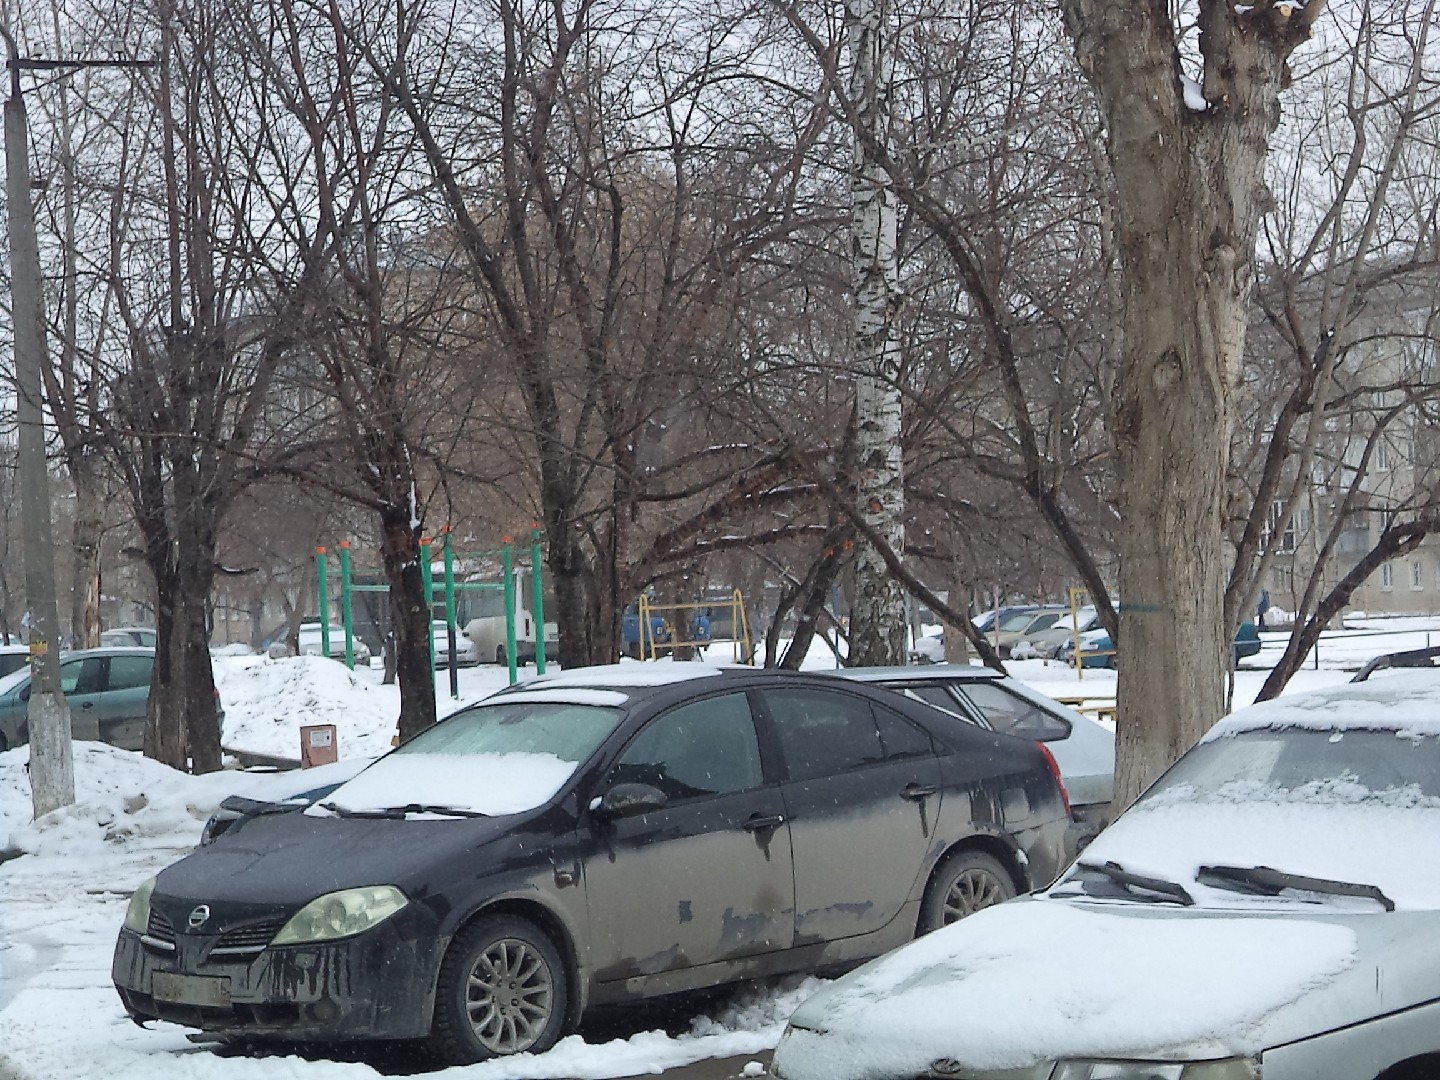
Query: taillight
pixel 1055 772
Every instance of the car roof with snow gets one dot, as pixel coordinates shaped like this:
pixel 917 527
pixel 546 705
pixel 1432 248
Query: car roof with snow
pixel 919 672
pixel 1405 701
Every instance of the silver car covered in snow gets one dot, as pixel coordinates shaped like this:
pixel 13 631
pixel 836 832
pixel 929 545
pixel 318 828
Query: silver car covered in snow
pixel 1271 906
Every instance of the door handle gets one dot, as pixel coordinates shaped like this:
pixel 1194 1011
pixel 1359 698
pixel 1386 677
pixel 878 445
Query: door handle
pixel 87 705
pixel 759 823
pixel 916 792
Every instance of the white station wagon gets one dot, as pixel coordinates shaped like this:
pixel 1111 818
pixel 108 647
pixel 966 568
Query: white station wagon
pixel 1270 907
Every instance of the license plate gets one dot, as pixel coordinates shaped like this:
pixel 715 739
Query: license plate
pixel 191 989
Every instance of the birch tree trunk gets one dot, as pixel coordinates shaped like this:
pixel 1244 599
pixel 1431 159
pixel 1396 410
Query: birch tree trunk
pixel 1188 161
pixel 877 631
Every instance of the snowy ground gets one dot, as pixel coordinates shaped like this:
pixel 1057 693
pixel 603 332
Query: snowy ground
pixel 64 887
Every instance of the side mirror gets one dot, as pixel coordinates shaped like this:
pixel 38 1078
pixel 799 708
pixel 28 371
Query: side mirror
pixel 25 694
pixel 627 800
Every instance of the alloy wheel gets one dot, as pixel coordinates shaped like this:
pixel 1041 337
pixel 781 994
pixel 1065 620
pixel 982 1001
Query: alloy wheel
pixel 509 995
pixel 974 888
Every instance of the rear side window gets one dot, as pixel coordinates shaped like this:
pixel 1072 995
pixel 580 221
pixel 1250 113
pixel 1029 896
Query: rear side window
pixel 822 734
pixel 1013 715
pixel 130 672
pixel 899 737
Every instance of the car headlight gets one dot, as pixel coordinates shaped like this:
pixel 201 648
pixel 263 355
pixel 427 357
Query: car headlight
pixel 341 914
pixel 1228 1069
pixel 137 915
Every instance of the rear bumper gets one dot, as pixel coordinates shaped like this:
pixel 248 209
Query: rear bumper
pixel 377 985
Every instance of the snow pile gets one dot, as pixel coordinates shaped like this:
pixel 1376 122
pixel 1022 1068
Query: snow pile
pixel 268 701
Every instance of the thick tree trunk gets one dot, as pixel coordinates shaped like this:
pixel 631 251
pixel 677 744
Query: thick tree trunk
pixel 411 622
pixel 877 626
pixel 1188 164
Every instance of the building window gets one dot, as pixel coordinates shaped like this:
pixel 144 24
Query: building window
pixel 1387 576
pixel 1382 453
pixel 1417 574
pixel 1285 544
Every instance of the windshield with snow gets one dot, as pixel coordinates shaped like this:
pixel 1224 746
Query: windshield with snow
pixel 1309 765
pixel 491 760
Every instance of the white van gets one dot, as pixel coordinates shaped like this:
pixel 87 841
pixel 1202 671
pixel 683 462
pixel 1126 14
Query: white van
pixel 486 625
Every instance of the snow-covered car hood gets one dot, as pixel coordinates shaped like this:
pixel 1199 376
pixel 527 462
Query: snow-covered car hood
pixel 1045 978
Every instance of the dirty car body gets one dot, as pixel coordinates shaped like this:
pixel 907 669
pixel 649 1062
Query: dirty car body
pixel 639 837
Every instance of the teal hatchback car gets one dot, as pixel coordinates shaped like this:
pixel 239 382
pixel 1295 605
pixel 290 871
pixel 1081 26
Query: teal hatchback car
pixel 107 689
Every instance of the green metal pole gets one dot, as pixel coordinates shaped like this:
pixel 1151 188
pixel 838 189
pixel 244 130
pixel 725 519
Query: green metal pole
pixel 346 610
pixel 537 586
pixel 450 629
pixel 507 562
pixel 427 577
pixel 324 600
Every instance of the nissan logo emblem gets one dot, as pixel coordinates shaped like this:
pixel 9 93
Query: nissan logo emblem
pixel 198 917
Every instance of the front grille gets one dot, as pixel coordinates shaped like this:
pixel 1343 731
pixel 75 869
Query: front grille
pixel 248 939
pixel 159 934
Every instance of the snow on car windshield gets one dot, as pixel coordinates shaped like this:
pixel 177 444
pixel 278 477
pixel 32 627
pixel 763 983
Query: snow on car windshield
pixel 1311 765
pixel 494 759
pixel 1358 805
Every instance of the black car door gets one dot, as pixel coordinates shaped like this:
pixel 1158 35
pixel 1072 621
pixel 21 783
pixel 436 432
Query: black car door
pixel 862 792
pixel 708 877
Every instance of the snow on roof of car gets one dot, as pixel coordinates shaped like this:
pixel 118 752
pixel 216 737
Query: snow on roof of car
pixel 561 695
pixel 652 673
pixel 1407 702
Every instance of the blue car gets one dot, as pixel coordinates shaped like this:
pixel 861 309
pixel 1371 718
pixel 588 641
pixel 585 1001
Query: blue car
pixel 1100 653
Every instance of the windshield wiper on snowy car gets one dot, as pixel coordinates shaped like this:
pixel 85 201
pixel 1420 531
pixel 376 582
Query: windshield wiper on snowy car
pixel 1267 881
pixel 400 811
pixel 1166 890
pixel 247 807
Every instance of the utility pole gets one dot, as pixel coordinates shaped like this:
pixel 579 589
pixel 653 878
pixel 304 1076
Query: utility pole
pixel 52 766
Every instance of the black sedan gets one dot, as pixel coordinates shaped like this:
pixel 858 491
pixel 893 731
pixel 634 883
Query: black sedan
pixel 605 835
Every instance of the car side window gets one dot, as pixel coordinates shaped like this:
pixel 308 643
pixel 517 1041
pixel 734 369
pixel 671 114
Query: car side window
pixel 706 747
pixel 899 737
pixel 939 697
pixel 85 676
pixel 822 734
pixel 130 672
pixel 1044 622
pixel 1013 715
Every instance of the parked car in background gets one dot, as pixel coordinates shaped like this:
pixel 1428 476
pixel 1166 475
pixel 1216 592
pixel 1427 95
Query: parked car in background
pixel 13 658
pixel 467 653
pixel 1015 626
pixel 600 835
pixel 312 642
pixel 143 636
pixel 986 619
pixel 1083 747
pixel 107 690
pixel 1098 652
pixel 1050 642
pixel 1269 907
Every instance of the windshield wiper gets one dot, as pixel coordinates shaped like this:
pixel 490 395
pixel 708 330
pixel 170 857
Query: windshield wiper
pixel 398 812
pixel 1168 890
pixel 1267 881
pixel 247 807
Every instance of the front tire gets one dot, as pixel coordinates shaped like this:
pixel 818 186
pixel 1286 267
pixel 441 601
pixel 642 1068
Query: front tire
pixel 502 990
pixel 963 883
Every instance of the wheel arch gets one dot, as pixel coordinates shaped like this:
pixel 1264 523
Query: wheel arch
pixel 995 846
pixel 1421 1067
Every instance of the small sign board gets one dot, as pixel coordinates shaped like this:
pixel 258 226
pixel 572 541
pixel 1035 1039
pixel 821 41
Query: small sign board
pixel 318 745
